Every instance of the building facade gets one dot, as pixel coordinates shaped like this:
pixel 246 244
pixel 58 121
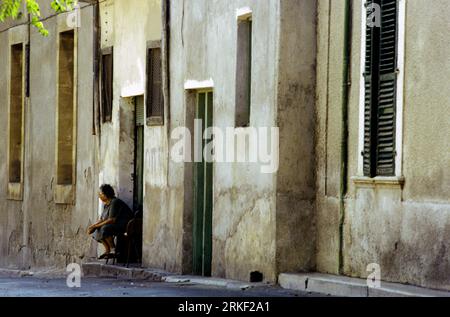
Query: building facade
pixel 351 93
pixel 48 148
pixel 399 221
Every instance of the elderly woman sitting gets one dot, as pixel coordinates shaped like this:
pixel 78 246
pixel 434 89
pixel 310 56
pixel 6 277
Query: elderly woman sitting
pixel 115 217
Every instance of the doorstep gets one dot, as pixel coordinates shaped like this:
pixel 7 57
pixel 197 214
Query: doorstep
pixel 212 281
pixel 14 273
pixel 351 287
pixel 99 269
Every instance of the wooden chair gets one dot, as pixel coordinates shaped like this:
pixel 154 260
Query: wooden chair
pixel 133 235
pixel 129 241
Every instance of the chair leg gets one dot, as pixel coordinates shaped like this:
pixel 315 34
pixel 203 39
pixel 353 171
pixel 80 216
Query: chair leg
pixel 129 251
pixel 136 251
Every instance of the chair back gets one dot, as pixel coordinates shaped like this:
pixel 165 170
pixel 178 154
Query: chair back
pixel 134 227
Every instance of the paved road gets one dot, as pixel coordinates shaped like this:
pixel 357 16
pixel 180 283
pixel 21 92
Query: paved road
pixel 103 287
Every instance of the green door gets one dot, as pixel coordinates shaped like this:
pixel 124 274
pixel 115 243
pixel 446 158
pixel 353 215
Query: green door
pixel 203 193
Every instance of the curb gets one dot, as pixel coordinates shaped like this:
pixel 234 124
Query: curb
pixel 209 281
pixel 15 273
pixel 352 287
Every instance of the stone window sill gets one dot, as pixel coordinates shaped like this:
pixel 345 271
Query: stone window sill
pixel 15 191
pixel 155 121
pixel 362 181
pixel 65 194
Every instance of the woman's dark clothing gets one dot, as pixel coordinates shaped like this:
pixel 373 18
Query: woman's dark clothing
pixel 122 214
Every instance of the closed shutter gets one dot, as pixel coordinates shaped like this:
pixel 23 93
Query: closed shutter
pixel 27 70
pixel 155 101
pixel 371 91
pixel 107 84
pixel 140 111
pixel 380 92
pixel 387 92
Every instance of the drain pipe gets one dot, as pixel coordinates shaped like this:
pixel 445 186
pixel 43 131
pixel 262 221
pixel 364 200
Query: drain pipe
pixel 25 247
pixel 96 122
pixel 348 23
pixel 166 21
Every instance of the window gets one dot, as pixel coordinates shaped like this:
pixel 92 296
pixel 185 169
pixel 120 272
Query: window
pixel 107 84
pixel 66 111
pixel 380 91
pixel 16 115
pixel 243 71
pixel 155 98
pixel 27 70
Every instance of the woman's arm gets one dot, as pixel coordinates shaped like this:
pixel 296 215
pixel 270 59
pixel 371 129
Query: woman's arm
pixel 104 222
pixel 99 224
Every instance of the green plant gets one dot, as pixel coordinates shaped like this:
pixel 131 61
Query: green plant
pixel 13 9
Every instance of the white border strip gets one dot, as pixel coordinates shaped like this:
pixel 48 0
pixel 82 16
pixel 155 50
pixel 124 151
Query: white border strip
pixel 400 87
pixel 195 84
pixel 362 90
pixel 243 13
pixel 132 91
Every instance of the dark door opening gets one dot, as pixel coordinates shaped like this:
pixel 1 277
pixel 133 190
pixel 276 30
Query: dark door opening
pixel 203 192
pixel 138 190
pixel 135 245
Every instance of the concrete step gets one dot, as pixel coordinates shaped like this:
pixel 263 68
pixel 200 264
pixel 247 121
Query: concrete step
pixel 99 269
pixel 211 281
pixel 351 287
pixel 15 273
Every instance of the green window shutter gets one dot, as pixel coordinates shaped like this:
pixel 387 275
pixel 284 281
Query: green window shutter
pixel 140 111
pixel 380 92
pixel 385 155
pixel 371 91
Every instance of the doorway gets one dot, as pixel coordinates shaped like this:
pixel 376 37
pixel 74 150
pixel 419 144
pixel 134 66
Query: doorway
pixel 138 186
pixel 203 191
pixel 135 236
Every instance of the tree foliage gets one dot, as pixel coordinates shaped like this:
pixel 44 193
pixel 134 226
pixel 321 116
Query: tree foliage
pixel 13 9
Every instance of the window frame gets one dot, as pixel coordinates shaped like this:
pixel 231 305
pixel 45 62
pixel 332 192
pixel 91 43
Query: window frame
pixel 243 107
pixel 65 194
pixel 153 121
pixel 398 169
pixel 15 189
pixel 106 117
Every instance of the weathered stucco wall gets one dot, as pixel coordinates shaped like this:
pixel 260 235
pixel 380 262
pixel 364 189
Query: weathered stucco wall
pixel 329 124
pixel 406 230
pixel 11 214
pixel 295 221
pixel 128 28
pixel 203 35
pixel 36 232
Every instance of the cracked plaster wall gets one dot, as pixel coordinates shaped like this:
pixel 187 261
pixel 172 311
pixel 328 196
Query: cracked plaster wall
pixel 246 202
pixel 406 231
pixel 36 232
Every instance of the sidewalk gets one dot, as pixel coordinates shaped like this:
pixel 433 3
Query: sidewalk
pixel 98 269
pixel 324 284
pixel 351 287
pixel 308 283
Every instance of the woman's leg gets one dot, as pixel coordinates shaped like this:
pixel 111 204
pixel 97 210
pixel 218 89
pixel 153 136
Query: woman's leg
pixel 110 242
pixel 107 247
